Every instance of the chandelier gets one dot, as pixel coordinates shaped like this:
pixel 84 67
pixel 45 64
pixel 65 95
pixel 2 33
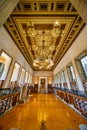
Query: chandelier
pixel 43 61
pixel 43 43
pixel 56 31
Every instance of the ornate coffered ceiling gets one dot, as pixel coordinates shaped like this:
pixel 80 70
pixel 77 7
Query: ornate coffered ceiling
pixel 44 30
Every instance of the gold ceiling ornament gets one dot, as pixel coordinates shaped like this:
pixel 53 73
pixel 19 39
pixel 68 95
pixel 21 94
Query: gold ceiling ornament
pixel 32 31
pixel 57 30
pixel 34 47
pixel 44 45
pixel 43 63
pixel 52 47
pixel 29 29
pixel 60 22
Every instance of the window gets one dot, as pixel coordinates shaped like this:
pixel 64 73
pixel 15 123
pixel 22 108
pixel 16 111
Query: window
pixel 72 73
pixel 26 77
pixel 5 62
pixel 56 79
pixel 59 77
pixel 15 72
pixel 22 77
pixel 63 76
pixel 29 78
pixel 81 62
pixel 84 65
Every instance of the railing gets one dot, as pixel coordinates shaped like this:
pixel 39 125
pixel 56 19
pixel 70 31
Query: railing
pixel 75 92
pixel 8 98
pixel 32 89
pixel 50 89
pixel 76 98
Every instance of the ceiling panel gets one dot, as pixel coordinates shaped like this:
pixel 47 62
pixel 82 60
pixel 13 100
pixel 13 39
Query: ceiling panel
pixel 44 30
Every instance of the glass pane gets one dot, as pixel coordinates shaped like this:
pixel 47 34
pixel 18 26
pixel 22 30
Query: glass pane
pixel 29 78
pixel 21 81
pixel 84 64
pixel 26 77
pixel 64 78
pixel 59 78
pixel 5 61
pixel 72 73
pixel 15 72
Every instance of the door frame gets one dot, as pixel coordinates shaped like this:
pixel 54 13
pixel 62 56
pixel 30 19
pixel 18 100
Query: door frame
pixel 39 85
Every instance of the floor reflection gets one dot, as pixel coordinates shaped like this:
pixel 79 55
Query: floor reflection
pixel 42 112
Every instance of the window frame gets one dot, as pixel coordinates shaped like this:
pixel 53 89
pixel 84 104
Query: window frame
pixel 83 67
pixel 18 71
pixel 64 75
pixel 80 66
pixel 2 50
pixel 70 75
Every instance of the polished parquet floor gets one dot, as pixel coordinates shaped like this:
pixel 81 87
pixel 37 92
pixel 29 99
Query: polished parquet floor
pixel 42 112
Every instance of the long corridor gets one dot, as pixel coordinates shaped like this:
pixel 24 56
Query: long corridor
pixel 42 112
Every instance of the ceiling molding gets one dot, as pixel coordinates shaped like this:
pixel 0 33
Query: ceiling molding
pixel 33 27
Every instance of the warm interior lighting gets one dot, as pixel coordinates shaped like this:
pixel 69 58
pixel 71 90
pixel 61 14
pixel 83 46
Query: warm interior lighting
pixel 50 63
pixel 43 63
pixel 2 59
pixel 57 29
pixel 56 23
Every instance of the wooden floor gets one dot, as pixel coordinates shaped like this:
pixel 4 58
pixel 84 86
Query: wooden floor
pixel 42 112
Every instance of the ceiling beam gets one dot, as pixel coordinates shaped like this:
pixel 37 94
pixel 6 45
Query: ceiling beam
pixel 6 7
pixel 81 7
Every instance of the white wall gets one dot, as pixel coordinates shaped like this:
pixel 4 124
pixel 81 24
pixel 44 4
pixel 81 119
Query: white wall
pixel 7 44
pixel 78 46
pixel 81 7
pixel 43 73
pixel 6 7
